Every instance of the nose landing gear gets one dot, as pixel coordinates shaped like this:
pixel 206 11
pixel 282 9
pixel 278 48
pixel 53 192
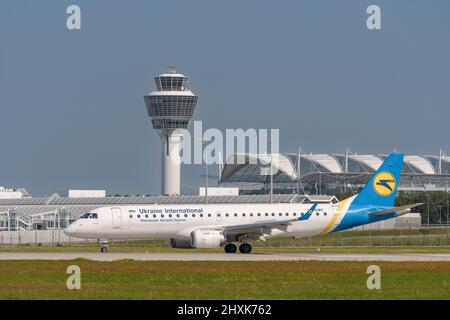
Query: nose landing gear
pixel 105 247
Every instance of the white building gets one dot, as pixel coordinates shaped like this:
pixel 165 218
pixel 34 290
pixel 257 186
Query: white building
pixel 87 193
pixel 12 193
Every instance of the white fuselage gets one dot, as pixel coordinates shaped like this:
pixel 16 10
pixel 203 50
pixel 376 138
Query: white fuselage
pixel 179 221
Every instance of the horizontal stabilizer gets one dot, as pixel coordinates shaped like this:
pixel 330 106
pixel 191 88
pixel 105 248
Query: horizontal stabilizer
pixel 399 210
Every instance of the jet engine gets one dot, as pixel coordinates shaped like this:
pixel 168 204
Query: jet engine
pixel 182 244
pixel 207 239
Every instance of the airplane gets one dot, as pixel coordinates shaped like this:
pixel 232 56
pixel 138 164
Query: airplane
pixel 216 225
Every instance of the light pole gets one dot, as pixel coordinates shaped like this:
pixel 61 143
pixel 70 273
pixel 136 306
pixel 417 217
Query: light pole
pixel 440 214
pixel 271 178
pixel 428 210
pixel 447 217
pixel 205 145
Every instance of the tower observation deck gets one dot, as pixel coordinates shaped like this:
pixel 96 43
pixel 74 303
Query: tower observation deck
pixel 170 107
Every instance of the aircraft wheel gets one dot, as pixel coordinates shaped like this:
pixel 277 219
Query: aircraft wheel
pixel 245 248
pixel 230 248
pixel 104 249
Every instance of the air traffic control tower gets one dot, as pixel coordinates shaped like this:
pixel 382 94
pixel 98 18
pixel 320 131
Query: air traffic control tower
pixel 170 107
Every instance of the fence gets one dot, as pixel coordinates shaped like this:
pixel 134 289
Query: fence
pixel 436 236
pixel 46 237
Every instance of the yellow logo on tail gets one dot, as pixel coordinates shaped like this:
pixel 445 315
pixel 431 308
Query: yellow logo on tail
pixel 384 183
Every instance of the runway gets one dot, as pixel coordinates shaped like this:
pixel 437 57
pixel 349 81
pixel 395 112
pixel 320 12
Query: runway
pixel 400 257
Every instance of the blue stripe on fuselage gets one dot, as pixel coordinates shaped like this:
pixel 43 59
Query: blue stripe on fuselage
pixel 358 215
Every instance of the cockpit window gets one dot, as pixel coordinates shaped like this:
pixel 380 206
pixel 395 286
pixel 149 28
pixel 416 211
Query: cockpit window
pixel 89 215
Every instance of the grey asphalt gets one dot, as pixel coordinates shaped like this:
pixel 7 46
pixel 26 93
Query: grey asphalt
pixel 225 257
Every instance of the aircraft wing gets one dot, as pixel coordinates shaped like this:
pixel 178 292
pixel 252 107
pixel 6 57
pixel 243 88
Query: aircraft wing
pixel 259 230
pixel 399 210
pixel 258 225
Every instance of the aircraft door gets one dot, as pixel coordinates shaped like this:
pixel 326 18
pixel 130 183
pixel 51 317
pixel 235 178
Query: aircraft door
pixel 116 217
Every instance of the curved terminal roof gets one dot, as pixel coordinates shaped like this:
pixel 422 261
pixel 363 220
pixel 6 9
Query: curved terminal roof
pixel 330 163
pixel 247 167
pixel 371 161
pixel 420 164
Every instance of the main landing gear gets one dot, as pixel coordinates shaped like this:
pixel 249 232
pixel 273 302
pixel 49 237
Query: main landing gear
pixel 230 248
pixel 244 248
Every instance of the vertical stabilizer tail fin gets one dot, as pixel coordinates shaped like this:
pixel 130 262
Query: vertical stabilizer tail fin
pixel 381 188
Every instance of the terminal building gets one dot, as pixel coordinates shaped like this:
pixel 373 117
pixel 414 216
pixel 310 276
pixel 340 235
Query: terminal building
pixel 329 173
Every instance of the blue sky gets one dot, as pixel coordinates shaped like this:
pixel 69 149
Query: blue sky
pixel 71 102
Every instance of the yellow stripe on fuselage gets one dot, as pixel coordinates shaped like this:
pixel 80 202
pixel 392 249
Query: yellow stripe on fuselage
pixel 335 216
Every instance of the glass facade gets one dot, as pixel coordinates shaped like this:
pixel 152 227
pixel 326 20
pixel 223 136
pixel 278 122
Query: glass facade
pixel 168 83
pixel 170 112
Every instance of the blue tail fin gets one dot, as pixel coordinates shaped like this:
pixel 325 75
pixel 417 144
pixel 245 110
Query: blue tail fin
pixel 381 188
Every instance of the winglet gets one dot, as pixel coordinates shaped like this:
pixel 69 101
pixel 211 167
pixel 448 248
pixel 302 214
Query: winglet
pixel 308 214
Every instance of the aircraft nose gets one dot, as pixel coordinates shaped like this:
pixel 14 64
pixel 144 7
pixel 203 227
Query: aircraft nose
pixel 71 230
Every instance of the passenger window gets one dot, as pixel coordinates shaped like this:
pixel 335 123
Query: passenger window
pixel 139 216
pixel 295 214
pixel 193 216
pixel 259 214
pixel 317 214
pixel 280 214
pixel 185 216
pixel 266 214
pixel 251 214
pixel 131 216
pixel 324 213
pixel 154 216
pixel 227 215
pixel 178 215
pixel 209 215
pixel 287 214
pixel 170 216
pixel 273 214
pixel 235 214
pixel 218 215
pixel 162 216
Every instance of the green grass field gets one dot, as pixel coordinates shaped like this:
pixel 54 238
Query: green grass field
pixel 223 280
